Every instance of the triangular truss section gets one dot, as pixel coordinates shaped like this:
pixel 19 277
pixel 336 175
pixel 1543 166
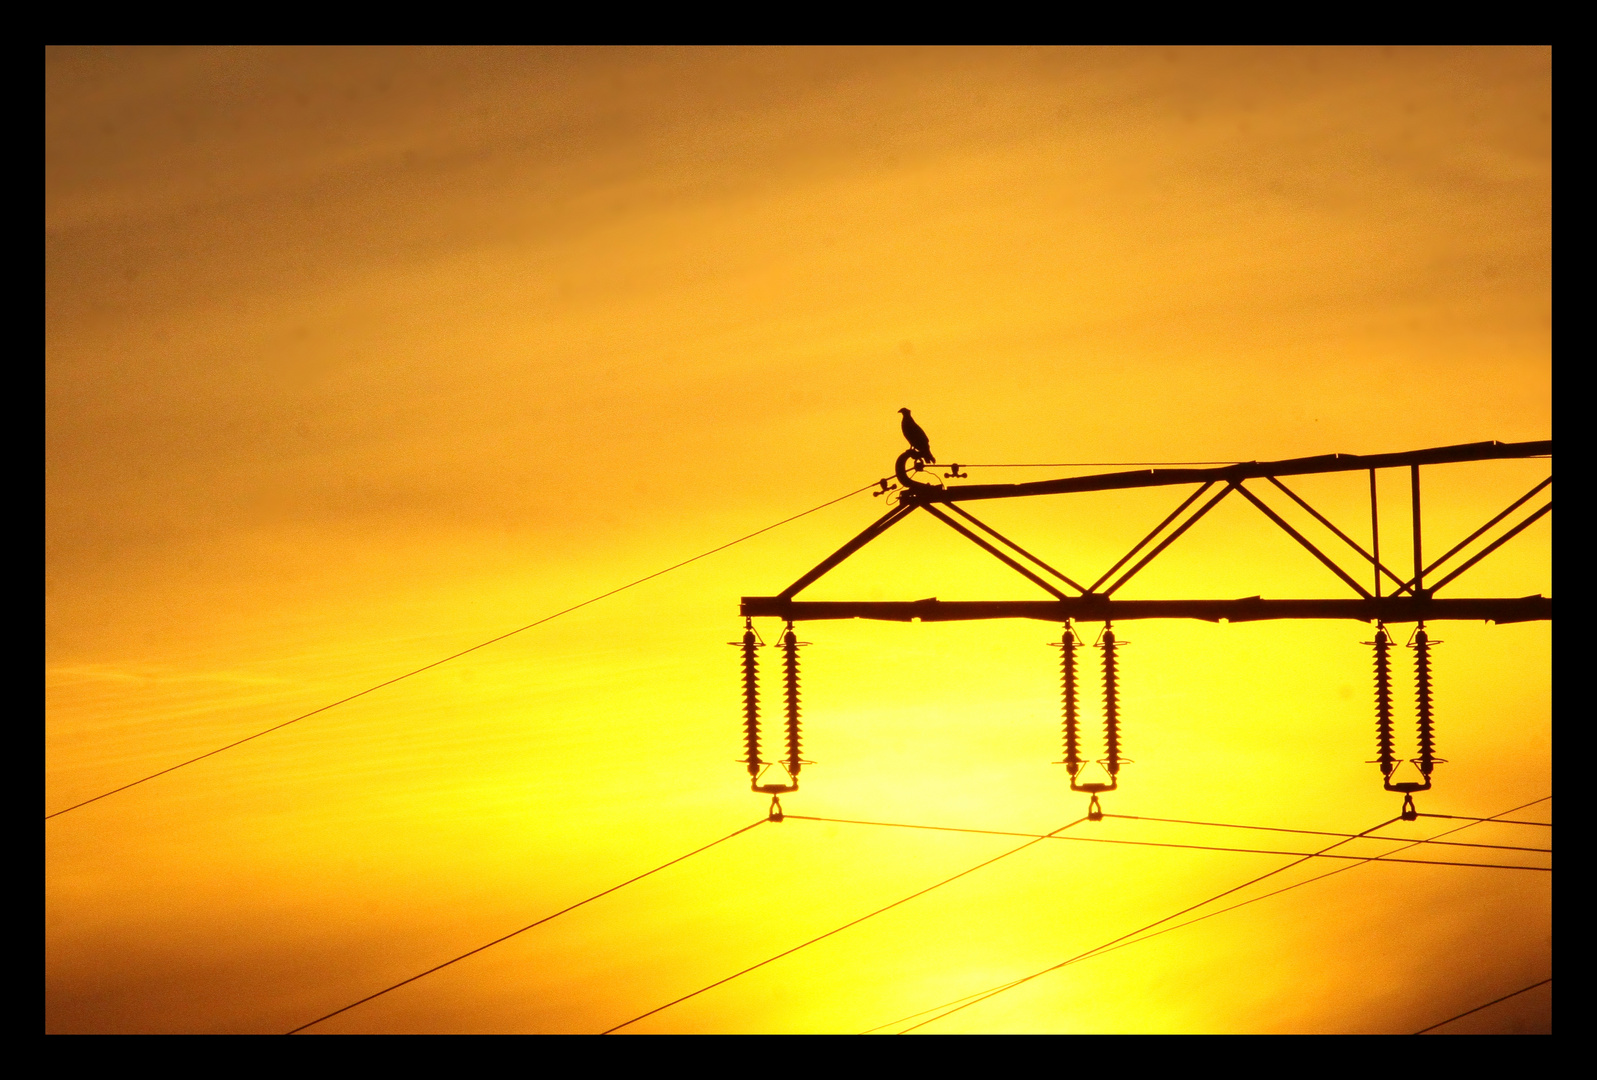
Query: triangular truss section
pixel 1389 596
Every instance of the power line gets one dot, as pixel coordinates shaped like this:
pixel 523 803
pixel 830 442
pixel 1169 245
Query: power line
pixel 1139 935
pixel 1494 821
pixel 456 656
pixel 1211 847
pixel 1488 1005
pixel 1322 832
pixel 1288 888
pixel 972 999
pixel 1120 943
pixel 1033 838
pixel 840 929
pixel 1133 938
pixel 1308 881
pixel 1117 944
pixel 529 926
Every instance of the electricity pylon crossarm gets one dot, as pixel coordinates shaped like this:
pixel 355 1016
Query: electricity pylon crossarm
pixel 1370 589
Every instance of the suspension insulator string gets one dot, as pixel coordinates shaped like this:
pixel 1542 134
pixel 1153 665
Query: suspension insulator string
pixel 790 671
pixel 1422 701
pixel 1111 704
pixel 1421 643
pixel 1383 700
pixel 756 765
pixel 751 700
pixel 1068 644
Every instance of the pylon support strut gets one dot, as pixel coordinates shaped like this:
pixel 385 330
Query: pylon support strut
pixel 1097 608
pixel 1247 470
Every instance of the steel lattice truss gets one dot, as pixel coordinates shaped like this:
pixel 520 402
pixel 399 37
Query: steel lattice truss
pixel 1391 597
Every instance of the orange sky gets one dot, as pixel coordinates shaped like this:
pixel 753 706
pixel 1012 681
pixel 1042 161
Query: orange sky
pixel 355 358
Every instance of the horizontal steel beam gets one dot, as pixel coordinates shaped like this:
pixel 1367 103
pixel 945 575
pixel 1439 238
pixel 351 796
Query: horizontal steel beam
pixel 1325 463
pixel 1393 609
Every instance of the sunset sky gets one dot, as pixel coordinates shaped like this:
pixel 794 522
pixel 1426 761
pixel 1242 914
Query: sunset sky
pixel 356 358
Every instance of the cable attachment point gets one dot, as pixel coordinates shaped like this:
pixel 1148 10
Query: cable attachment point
pixel 1408 813
pixel 1094 810
pixel 775 813
pixel 906 475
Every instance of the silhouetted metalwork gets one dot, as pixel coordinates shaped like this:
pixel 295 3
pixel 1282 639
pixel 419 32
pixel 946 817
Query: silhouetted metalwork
pixel 790 686
pixel 1111 707
pixel 1410 600
pixel 1384 741
pixel 757 766
pixel 1383 703
pixel 1427 761
pixel 1422 700
pixel 1393 598
pixel 1247 470
pixel 751 700
pixel 1100 609
pixel 1068 644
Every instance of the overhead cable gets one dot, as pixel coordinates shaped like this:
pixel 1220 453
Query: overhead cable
pixel 1494 821
pixel 1323 854
pixel 1323 832
pixel 845 926
pixel 529 926
pixel 455 656
pixel 972 999
pixel 1489 1004
pixel 1140 935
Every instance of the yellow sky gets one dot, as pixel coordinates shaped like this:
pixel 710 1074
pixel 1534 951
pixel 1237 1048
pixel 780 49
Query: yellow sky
pixel 355 358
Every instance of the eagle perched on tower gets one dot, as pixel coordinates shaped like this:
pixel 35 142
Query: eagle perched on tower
pixel 917 437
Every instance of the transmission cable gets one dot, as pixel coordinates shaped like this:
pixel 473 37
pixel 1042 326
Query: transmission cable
pixel 1494 821
pixel 1386 858
pixel 458 655
pixel 1323 832
pixel 972 999
pixel 529 926
pixel 1214 847
pixel 845 926
pixel 1120 943
pixel 1488 1005
pixel 1133 937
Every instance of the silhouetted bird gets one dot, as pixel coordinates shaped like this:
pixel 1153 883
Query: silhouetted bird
pixel 917 437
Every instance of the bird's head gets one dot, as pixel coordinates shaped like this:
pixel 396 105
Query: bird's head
pixel 904 411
